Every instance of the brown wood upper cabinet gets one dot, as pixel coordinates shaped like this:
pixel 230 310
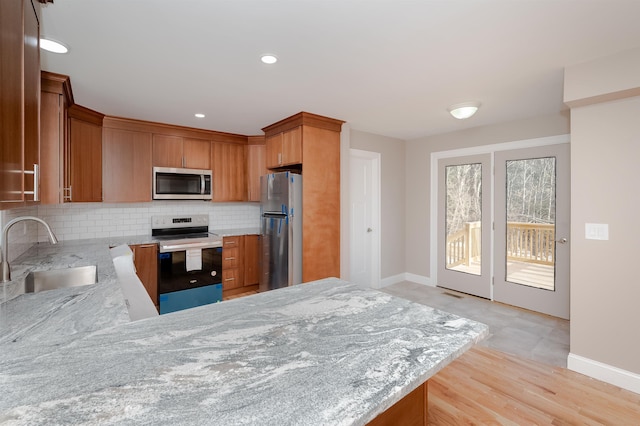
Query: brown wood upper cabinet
pixel 256 166
pixel 55 99
pixel 229 171
pixel 20 100
pixel 83 156
pixel 176 151
pixel 284 148
pixel 127 165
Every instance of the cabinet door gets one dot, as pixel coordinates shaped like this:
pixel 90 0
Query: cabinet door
pixel 229 172
pixel 197 154
pixel 31 98
pixel 292 146
pixel 51 147
pixel 251 260
pixel 145 259
pixel 274 151
pixel 167 151
pixel 256 167
pixel 11 45
pixel 127 166
pixel 19 107
pixel 85 156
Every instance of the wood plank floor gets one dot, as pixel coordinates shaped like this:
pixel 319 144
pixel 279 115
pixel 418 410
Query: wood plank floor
pixel 489 387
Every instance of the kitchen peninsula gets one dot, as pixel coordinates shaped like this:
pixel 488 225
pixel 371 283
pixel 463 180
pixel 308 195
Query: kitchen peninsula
pixel 326 352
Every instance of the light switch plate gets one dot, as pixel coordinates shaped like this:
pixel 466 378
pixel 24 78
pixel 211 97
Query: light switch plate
pixel 596 231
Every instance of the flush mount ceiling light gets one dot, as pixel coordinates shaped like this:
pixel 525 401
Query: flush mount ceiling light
pixel 199 115
pixel 53 46
pixel 464 110
pixel 269 59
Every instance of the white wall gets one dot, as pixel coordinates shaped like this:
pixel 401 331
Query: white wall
pixel 392 200
pixel 605 289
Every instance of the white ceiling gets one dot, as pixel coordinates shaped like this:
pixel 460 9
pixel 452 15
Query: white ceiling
pixel 390 67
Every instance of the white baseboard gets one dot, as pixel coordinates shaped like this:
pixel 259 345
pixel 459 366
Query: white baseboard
pixel 394 279
pixel 405 276
pixel 420 279
pixel 604 372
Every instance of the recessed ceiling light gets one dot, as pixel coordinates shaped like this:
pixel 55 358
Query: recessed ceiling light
pixel 464 110
pixel 53 46
pixel 269 59
pixel 200 115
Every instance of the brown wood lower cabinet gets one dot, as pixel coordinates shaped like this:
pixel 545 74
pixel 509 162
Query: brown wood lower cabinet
pixel 251 260
pixel 145 259
pixel 409 411
pixel 240 265
pixel 232 264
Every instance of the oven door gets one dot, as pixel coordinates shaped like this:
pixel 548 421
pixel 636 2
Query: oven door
pixel 181 289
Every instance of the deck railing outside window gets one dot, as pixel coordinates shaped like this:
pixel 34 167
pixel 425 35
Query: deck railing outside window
pixel 526 242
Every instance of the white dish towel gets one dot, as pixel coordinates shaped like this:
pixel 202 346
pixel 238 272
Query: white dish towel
pixel 194 260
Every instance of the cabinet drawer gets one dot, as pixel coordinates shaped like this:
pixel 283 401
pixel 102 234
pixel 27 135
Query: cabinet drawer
pixel 230 258
pixel 231 278
pixel 230 242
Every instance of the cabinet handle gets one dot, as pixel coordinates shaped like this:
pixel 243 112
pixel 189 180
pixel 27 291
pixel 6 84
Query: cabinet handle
pixel 279 158
pixel 229 258
pixel 230 279
pixel 36 181
pixel 66 197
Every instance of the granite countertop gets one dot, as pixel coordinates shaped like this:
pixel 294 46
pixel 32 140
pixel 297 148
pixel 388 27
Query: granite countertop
pixel 56 317
pixel 327 352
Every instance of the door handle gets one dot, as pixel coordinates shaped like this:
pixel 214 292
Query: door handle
pixel 369 230
pixel 561 241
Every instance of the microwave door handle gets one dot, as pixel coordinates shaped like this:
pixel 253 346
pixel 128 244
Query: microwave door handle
pixel 202 184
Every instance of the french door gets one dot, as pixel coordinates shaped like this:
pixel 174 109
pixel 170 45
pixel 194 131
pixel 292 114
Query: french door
pixel 532 229
pixel 503 227
pixel 464 223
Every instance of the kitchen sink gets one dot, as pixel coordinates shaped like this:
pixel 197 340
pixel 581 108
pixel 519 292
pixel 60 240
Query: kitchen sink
pixel 60 278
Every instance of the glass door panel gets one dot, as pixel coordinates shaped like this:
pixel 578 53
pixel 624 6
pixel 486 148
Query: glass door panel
pixel 531 216
pixel 464 218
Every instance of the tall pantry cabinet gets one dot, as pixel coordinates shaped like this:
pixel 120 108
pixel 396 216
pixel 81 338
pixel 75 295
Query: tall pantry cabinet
pixel 310 144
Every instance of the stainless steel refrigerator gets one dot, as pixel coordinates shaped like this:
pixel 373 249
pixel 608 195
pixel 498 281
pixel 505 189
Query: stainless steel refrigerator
pixel 281 230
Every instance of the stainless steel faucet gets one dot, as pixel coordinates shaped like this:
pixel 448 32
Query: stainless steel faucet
pixel 4 245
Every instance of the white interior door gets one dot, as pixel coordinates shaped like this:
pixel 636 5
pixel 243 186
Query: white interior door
pixel 364 263
pixel 464 224
pixel 532 202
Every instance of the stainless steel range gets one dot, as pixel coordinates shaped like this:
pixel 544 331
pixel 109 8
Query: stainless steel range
pixel 189 262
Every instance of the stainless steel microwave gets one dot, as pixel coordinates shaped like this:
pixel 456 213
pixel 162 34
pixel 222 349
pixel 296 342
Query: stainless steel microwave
pixel 182 184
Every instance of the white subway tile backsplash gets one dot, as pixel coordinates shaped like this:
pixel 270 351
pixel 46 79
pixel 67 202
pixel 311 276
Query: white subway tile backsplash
pixel 90 220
